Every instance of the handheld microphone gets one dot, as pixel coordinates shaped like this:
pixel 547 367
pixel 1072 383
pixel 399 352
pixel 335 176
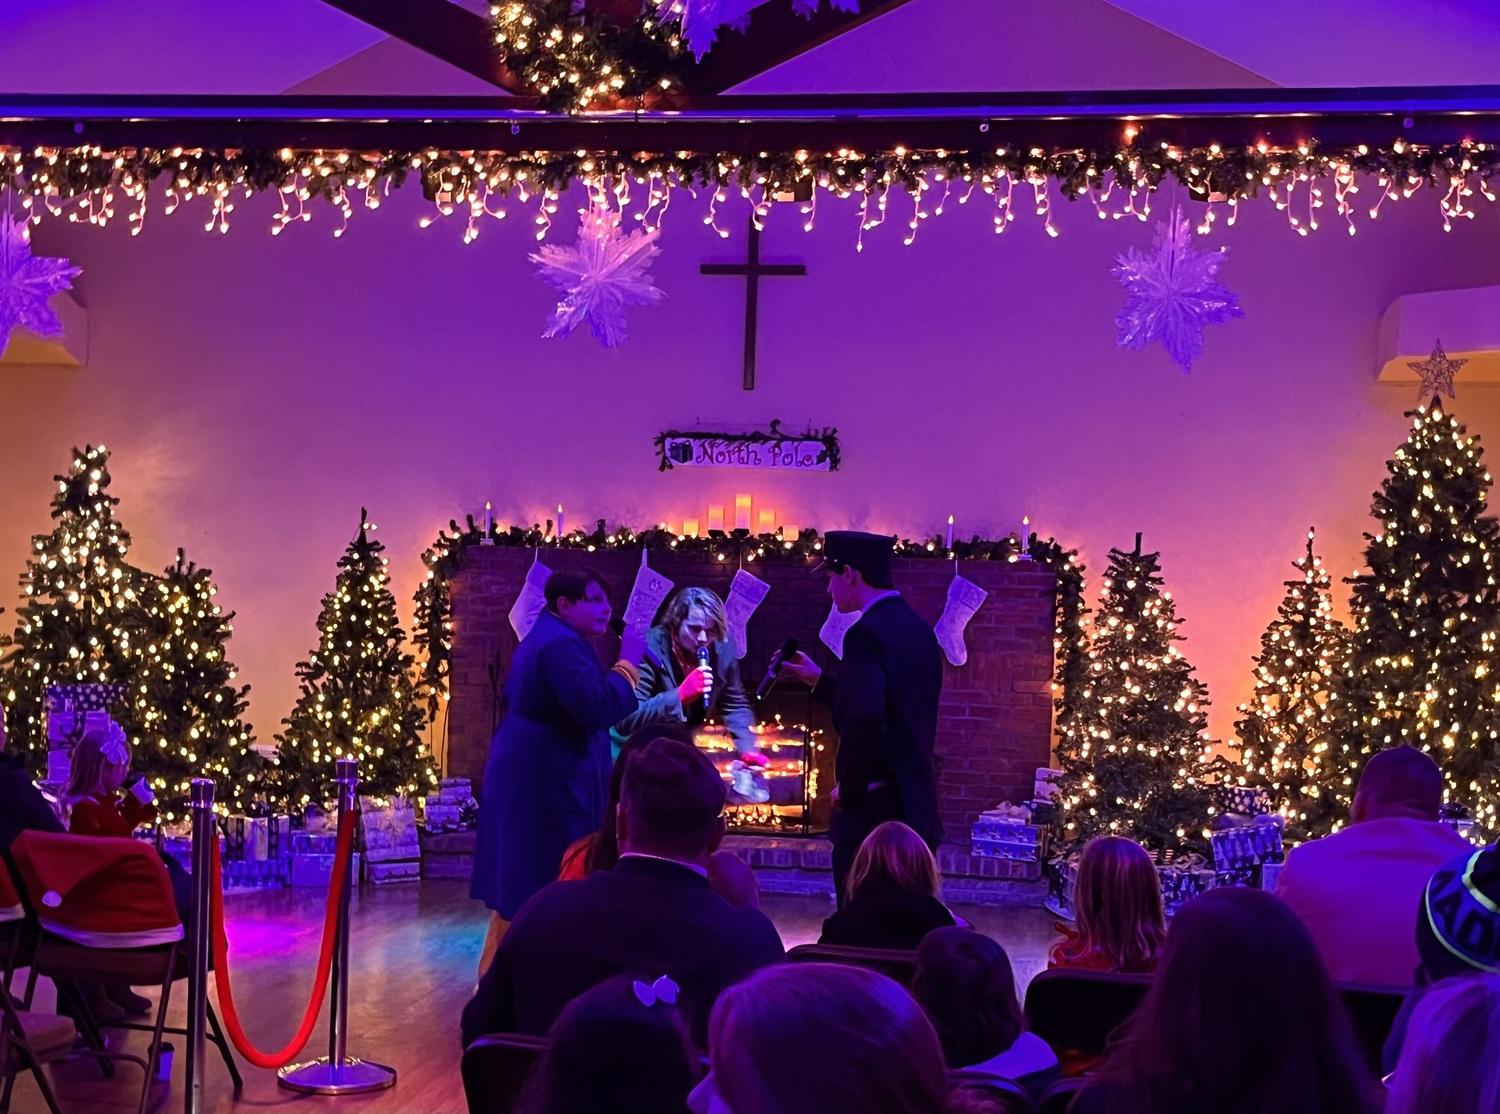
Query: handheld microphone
pixel 708 686
pixel 773 671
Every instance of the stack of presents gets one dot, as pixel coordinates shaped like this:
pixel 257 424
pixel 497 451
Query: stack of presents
pixel 1021 831
pixel 450 816
pixel 1247 847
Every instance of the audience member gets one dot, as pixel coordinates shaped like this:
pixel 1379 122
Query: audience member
pixel 1451 1061
pixel 1117 902
pixel 1356 889
pixel 1458 932
pixel 100 763
pixel 965 984
pixel 620 1048
pixel 821 1038
pixel 22 806
pixel 1241 1018
pixel 651 914
pixel 891 900
pixel 600 850
pixel 731 878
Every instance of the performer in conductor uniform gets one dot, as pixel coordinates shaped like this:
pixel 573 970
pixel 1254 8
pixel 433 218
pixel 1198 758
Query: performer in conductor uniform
pixel 884 701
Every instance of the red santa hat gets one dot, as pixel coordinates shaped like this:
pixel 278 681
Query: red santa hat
pixel 99 892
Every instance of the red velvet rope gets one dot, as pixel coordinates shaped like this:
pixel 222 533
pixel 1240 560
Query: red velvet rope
pixel 283 1057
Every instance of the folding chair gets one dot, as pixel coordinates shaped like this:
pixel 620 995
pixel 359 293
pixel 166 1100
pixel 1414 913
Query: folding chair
pixel 1372 1012
pixel 107 915
pixel 896 963
pixel 495 1068
pixel 12 924
pixel 27 1041
pixel 1076 1011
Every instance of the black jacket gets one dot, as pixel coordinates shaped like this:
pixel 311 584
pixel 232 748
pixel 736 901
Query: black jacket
pixel 22 806
pixel 883 915
pixel 645 917
pixel 885 709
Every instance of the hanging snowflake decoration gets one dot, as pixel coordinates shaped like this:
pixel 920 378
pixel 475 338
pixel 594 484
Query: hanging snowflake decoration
pixel 26 282
pixel 1174 293
pixel 806 8
pixel 700 20
pixel 599 276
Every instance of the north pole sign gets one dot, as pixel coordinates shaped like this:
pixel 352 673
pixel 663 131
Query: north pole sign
pixel 771 450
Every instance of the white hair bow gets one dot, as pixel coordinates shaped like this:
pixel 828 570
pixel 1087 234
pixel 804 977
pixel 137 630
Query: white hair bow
pixel 662 990
pixel 112 746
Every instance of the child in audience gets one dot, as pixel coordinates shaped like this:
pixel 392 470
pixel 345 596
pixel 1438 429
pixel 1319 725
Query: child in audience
pixel 100 764
pixel 822 1038
pixel 620 1047
pixel 1450 1063
pixel 892 893
pixel 1117 900
pixel 1241 1018
pixel 965 984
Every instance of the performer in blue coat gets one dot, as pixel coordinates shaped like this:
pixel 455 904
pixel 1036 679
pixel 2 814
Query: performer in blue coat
pixel 547 777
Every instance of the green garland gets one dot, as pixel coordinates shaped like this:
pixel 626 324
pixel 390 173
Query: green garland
pixel 828 435
pixel 433 627
pixel 53 176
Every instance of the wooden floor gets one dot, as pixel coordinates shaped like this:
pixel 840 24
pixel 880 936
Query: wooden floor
pixel 413 957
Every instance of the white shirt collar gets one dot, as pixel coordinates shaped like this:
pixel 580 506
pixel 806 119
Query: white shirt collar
pixel 694 867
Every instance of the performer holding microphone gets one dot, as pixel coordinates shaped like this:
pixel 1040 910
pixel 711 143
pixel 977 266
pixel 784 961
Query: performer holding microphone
pixel 884 701
pixel 690 676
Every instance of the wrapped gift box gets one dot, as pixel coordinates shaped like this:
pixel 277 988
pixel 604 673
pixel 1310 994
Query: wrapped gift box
pixel 443 817
pixel 314 869
pixel 1245 800
pixel 388 831
pixel 256 839
pixel 381 874
pixel 265 874
pixel 1006 833
pixel 1248 845
pixel 314 843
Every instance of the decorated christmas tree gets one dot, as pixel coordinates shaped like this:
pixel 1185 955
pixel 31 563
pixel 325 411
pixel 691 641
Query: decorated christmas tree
pixel 82 609
pixel 186 708
pixel 1134 748
pixel 1289 736
pixel 358 696
pixel 1423 668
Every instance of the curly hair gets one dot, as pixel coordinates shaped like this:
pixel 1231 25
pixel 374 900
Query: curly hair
pixel 685 600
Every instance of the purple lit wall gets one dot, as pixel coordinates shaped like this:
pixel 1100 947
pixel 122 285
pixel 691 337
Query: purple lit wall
pixel 257 391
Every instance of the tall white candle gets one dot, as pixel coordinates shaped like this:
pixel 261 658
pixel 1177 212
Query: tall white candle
pixel 742 512
pixel 559 520
pixel 949 543
pixel 1025 532
pixel 486 519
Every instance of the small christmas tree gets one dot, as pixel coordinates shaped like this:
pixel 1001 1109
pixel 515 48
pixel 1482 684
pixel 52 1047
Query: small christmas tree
pixel 82 607
pixel 186 708
pixel 1288 731
pixel 358 698
pixel 1423 668
pixel 1133 749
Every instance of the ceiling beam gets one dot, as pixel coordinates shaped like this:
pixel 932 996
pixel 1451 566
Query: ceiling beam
pixel 445 30
pixel 776 34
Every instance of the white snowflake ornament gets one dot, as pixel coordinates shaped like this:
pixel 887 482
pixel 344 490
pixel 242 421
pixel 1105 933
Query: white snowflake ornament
pixel 701 20
pixel 27 282
pixel 1174 293
pixel 602 274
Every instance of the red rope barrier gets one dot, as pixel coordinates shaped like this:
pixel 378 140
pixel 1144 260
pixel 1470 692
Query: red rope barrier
pixel 236 1031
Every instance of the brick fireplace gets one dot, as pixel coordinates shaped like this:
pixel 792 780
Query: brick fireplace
pixel 996 717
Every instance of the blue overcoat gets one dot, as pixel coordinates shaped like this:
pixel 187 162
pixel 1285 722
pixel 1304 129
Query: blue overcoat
pixel 547 777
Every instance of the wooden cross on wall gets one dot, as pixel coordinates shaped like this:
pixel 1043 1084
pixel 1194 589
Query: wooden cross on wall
pixel 752 269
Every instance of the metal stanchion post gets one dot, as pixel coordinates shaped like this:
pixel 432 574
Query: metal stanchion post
pixel 205 832
pixel 338 1073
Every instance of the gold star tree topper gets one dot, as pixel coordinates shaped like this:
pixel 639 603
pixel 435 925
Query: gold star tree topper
pixel 1437 372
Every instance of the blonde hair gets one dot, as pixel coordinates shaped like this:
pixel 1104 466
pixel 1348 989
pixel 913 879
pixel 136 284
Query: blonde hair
pixel 1117 900
pixel 897 854
pixel 87 764
pixel 687 599
pixel 824 1037
pixel 1448 1063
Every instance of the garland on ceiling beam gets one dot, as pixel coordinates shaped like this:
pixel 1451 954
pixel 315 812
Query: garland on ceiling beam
pixel 433 625
pixel 88 182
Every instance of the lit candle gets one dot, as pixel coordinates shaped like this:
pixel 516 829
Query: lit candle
pixel 690 528
pixel 1025 532
pixel 742 512
pixel 716 518
pixel 949 544
pixel 767 521
pixel 485 539
pixel 559 520
pixel 790 531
